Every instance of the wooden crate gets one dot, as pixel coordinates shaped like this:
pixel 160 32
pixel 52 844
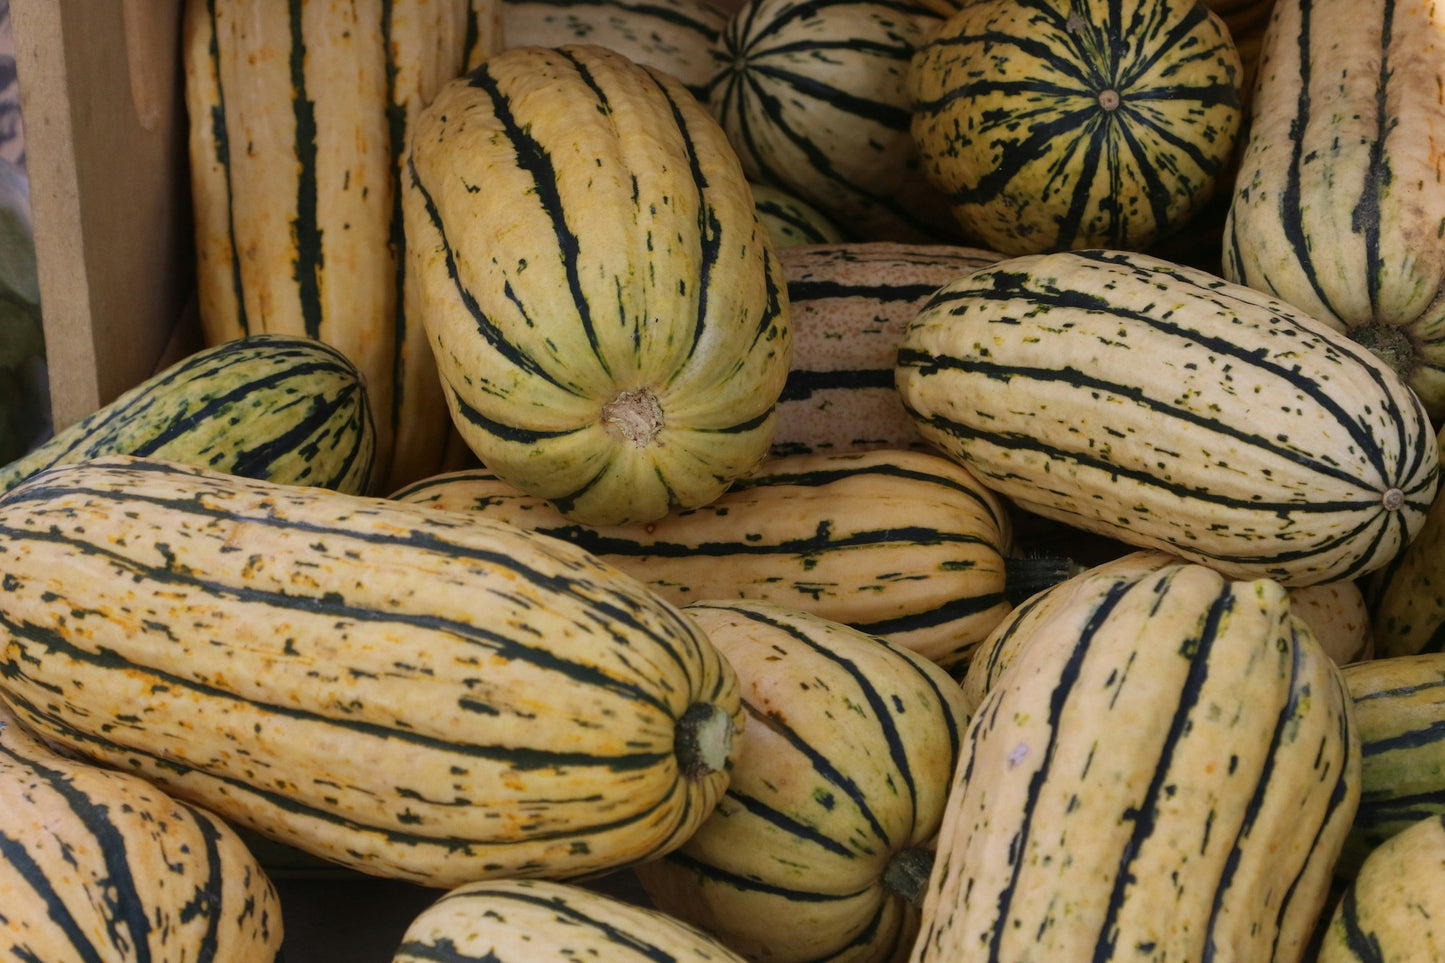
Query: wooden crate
pixel 105 125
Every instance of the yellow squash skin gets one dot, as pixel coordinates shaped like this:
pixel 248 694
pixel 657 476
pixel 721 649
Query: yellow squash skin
pixel 1394 911
pixel 1166 772
pixel 849 305
pixel 826 832
pixel 1407 597
pixel 812 95
pixel 1339 199
pixel 102 865
pixel 905 545
pixel 1399 707
pixel 604 306
pixel 1333 611
pixel 298 123
pixel 1170 409
pixel 410 693
pixel 534 920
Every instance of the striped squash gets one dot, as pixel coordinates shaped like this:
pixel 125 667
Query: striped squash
pixel 849 304
pixel 1063 124
pixel 98 865
pixel 1395 909
pixel 678 37
pixel 1330 610
pixel 608 317
pixel 1167 772
pixel 1339 201
pixel 812 96
pixel 300 117
pixel 1246 21
pixel 1406 598
pixel 1052 611
pixel 790 220
pixel 285 408
pixel 409 693
pixel 820 848
pixel 1399 708
pixel 899 544
pixel 1170 409
pixel 532 920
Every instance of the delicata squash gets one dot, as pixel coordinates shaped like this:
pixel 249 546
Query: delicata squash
pixel 410 693
pixel 604 305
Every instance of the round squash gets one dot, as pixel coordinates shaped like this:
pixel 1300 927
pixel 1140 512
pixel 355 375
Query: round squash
pixel 605 309
pixel 1057 125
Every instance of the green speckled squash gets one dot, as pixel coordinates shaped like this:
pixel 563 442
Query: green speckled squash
pixel 605 308
pixel 1060 124
pixel 289 409
pixel 1399 708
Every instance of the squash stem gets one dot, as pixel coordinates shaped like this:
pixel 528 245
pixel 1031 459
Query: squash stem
pixel 906 874
pixel 703 740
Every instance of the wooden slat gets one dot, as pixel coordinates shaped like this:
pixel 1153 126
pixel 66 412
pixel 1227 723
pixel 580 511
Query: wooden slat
pixel 109 190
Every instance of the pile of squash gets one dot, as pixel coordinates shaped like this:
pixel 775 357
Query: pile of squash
pixel 899 479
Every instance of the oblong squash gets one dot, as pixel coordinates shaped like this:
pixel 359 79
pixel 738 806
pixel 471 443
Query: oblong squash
pixel 299 122
pixel 1168 772
pixel 1170 409
pixel 1338 202
pixel 900 544
pixel 532 920
pixel 604 306
pixel 1393 910
pixel 1399 709
pixel 675 36
pixel 849 305
pixel 1331 610
pixel 285 408
pixel 825 836
pixel 102 865
pixel 410 693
